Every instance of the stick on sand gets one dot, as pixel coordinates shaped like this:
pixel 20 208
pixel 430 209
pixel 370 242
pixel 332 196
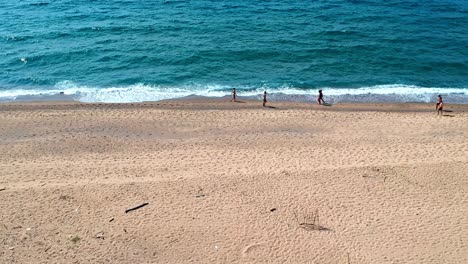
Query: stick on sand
pixel 136 207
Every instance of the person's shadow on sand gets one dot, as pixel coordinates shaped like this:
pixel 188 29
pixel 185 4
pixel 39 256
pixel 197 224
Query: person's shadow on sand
pixel 448 111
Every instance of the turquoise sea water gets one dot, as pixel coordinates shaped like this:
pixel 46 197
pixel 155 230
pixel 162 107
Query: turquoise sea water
pixel 135 50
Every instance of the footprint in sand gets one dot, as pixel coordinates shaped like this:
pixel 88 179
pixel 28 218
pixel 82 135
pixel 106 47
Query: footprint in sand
pixel 255 250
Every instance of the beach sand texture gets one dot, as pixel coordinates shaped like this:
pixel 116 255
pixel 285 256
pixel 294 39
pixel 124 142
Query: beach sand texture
pixel 233 183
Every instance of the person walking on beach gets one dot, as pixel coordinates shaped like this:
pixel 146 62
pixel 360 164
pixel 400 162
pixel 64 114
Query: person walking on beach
pixel 440 105
pixel 234 95
pixel 320 98
pixel 264 98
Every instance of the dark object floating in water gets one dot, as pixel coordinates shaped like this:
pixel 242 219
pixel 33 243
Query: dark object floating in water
pixel 38 4
pixel 272 209
pixel 136 207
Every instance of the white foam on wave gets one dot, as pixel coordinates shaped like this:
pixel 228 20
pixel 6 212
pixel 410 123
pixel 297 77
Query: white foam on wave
pixel 136 93
pixel 143 92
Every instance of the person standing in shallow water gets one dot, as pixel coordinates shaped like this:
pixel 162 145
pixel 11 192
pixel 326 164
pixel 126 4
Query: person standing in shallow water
pixel 234 95
pixel 264 98
pixel 440 105
pixel 320 100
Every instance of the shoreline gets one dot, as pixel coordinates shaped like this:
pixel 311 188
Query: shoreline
pixel 390 94
pixel 203 103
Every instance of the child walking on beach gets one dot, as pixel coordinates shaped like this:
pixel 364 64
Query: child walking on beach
pixel 440 105
pixel 264 98
pixel 320 98
pixel 234 95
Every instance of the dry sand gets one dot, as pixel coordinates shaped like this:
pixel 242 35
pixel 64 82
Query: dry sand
pixel 233 183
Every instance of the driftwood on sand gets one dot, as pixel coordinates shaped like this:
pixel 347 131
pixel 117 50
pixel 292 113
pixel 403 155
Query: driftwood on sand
pixel 136 207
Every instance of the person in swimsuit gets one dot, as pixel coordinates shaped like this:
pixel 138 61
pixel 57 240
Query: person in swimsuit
pixel 264 98
pixel 320 98
pixel 440 105
pixel 234 95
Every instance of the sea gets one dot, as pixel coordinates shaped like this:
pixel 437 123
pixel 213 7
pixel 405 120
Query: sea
pixel 148 50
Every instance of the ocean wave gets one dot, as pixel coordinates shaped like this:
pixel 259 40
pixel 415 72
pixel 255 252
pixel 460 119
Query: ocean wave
pixel 144 92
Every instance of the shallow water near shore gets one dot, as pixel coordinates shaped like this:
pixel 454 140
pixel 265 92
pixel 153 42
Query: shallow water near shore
pixel 133 51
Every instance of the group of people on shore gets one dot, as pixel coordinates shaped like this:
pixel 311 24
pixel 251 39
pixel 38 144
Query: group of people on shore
pixel 321 101
pixel 234 96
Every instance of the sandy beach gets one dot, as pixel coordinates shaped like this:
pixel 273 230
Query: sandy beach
pixel 233 183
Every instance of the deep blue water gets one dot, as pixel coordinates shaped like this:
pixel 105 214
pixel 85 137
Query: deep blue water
pixel 135 50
